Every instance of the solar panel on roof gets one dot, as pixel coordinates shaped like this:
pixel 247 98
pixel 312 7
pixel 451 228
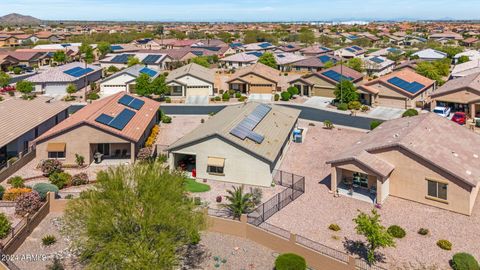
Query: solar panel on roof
pixel 255 137
pixel 131 102
pixel 324 58
pixel 412 87
pixel 122 119
pixel 325 48
pixel 151 59
pixel 244 129
pixel 280 55
pixel 197 53
pixel 265 45
pixel 116 47
pixel 393 50
pixel 78 71
pixel 148 71
pixel 257 54
pixel 104 119
pixel 137 104
pixel 122 58
pixel 125 100
pixel 72 71
pixel 336 76
pixel 357 48
pixel 377 60
pixel 350 50
pixel 290 46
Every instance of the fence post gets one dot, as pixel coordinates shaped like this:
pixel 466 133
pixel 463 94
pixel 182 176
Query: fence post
pixel 263 212
pixel 293 238
pixel 351 262
pixel 281 177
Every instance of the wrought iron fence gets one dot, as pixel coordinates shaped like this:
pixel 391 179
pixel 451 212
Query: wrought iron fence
pixel 295 186
pixel 275 230
pixel 325 250
pixel 361 264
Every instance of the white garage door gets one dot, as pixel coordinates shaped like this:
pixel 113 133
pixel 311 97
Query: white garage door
pixel 393 102
pixel 55 89
pixel 199 91
pixel 108 90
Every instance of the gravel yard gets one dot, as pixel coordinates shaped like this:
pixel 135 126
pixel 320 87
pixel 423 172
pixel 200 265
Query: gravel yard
pixel 312 213
pixel 180 126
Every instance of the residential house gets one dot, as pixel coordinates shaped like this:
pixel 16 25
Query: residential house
pixel 315 50
pixel 29 59
pixel 350 52
pixel 228 147
pixel 323 83
pixel 402 89
pixel 430 55
pixel 259 47
pixel 8 41
pixel 241 59
pixel 462 94
pixel 447 37
pixel 152 60
pixel 255 79
pixel 314 63
pixel 124 80
pixel 191 80
pixel 471 54
pixel 465 69
pixel 286 60
pixel 25 120
pixel 413 158
pixel 289 48
pixel 53 81
pixel 470 42
pixel 386 51
pixel 378 65
pixel 115 127
pixel 410 40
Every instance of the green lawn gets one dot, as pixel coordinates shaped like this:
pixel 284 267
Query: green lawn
pixel 193 186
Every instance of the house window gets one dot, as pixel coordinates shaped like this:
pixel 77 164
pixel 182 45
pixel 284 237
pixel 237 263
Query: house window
pixel 215 165
pixel 56 155
pixel 215 170
pixel 437 190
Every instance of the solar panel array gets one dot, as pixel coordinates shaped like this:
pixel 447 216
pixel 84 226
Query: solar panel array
pixel 357 48
pixel 257 54
pixel 393 50
pixel 335 76
pixel 245 128
pixel 151 59
pixel 119 122
pixel 326 58
pixel 78 71
pixel 351 50
pixel 116 47
pixel 148 71
pixel 265 45
pixel 122 58
pixel 377 60
pixel 131 102
pixel 412 87
pixel 280 55
pixel 197 53
pixel 325 48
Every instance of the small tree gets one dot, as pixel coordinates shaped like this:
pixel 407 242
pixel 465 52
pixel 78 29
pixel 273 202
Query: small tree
pixel 356 64
pixel 132 61
pixel 238 202
pixel 71 89
pixel 104 48
pixel 4 79
pixel 202 61
pixel 463 59
pixel 375 233
pixel 60 57
pixel 293 90
pixel 159 85
pixel 25 87
pixel 142 85
pixel 345 91
pixel 268 59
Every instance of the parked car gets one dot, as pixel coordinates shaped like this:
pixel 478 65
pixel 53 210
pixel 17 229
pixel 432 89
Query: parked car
pixel 459 118
pixel 442 111
pixel 7 88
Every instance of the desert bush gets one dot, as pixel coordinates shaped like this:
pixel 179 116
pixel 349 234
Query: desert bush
pixel 444 244
pixel 238 95
pixel 218 98
pixel 226 96
pixel 166 119
pixel 49 240
pixel 342 106
pixel 334 227
pixel 290 261
pixel 79 179
pixel 44 188
pixel 50 166
pixel 285 96
pixel 276 97
pixel 5 225
pixel 60 179
pixel 80 160
pixel 242 98
pixel 396 231
pixel 464 261
pixel 13 193
pixel 410 112
pixel 423 231
pixel 168 100
pixel 28 203
pixel 16 182
pixel 364 108
pixel 293 91
pixel 328 124
pixel 56 265
pixel 354 105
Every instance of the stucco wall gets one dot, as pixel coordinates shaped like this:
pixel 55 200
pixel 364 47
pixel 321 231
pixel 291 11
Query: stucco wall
pixel 240 167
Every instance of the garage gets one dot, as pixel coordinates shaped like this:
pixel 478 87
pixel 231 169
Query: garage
pixel 108 89
pixel 55 89
pixel 261 88
pixel 394 102
pixel 199 90
pixel 323 92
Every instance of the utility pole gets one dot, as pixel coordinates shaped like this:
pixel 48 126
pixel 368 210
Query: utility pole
pixel 341 77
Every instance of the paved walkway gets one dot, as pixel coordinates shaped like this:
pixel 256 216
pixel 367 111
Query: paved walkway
pixel 386 113
pixel 319 102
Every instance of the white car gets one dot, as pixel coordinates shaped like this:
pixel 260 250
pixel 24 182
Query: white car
pixel 442 111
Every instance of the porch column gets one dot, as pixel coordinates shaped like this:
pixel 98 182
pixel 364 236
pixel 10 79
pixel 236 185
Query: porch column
pixel 171 161
pixel 433 104
pixel 132 153
pixel 333 179
pixel 472 110
pixel 372 100
pixel 183 90
pixel 379 191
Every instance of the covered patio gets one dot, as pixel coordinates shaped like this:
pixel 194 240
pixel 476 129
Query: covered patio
pixel 103 152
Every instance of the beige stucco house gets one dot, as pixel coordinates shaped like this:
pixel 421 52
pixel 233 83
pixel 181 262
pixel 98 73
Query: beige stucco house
pixel 255 79
pixel 240 144
pixel 191 80
pixel 426 159
pixel 114 127
pixel 462 94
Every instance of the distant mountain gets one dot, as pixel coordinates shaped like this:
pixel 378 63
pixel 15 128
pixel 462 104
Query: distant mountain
pixel 19 19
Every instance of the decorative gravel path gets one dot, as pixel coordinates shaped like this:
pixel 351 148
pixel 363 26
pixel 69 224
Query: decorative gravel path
pixel 311 214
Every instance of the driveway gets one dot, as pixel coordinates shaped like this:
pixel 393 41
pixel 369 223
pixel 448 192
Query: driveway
pixel 197 100
pixel 386 113
pixel 319 102
pixel 260 97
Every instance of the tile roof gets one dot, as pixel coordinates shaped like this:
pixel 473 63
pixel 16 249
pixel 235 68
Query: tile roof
pixel 19 115
pixel 344 70
pixel 316 61
pixel 315 49
pixel 194 70
pixel 430 54
pixel 56 74
pixel 467 68
pixel 244 57
pixel 133 131
pixel 275 127
pixel 259 69
pixel 471 81
pixel 407 75
pixel 427 136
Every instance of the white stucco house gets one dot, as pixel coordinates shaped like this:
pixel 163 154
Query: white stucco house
pixel 241 144
pixel 124 80
pixel 152 60
pixel 191 80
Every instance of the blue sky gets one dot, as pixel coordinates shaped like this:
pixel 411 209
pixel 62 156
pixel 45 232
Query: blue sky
pixel 242 10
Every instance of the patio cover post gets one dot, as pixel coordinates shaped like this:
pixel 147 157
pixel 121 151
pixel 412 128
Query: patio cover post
pixel 333 179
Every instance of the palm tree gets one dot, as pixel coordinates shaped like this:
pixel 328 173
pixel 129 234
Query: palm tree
pixel 239 203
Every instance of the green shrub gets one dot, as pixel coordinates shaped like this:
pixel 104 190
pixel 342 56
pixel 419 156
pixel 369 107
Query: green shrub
pixel 17 70
pixel 334 227
pixel 364 108
pixel 93 96
pixel 238 95
pixel 396 231
pixel 50 166
pixel 168 100
pixel 218 98
pixel 328 124
pixel 290 261
pixel 166 119
pixel 464 261
pixel 2 190
pixel 49 240
pixel 354 105
pixel 231 92
pixel 60 179
pixel 5 225
pixel 242 98
pixel 410 112
pixel 444 244
pixel 79 179
pixel 285 96
pixel 293 91
pixel 69 197
pixel 16 182
pixel 44 188
pixel 374 124
pixel 276 97
pixel 226 96
pixel 423 231
pixel 342 106
pixel 80 160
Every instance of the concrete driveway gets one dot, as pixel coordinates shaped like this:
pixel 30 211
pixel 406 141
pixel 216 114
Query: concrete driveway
pixel 319 102
pixel 198 100
pixel 386 113
pixel 260 97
